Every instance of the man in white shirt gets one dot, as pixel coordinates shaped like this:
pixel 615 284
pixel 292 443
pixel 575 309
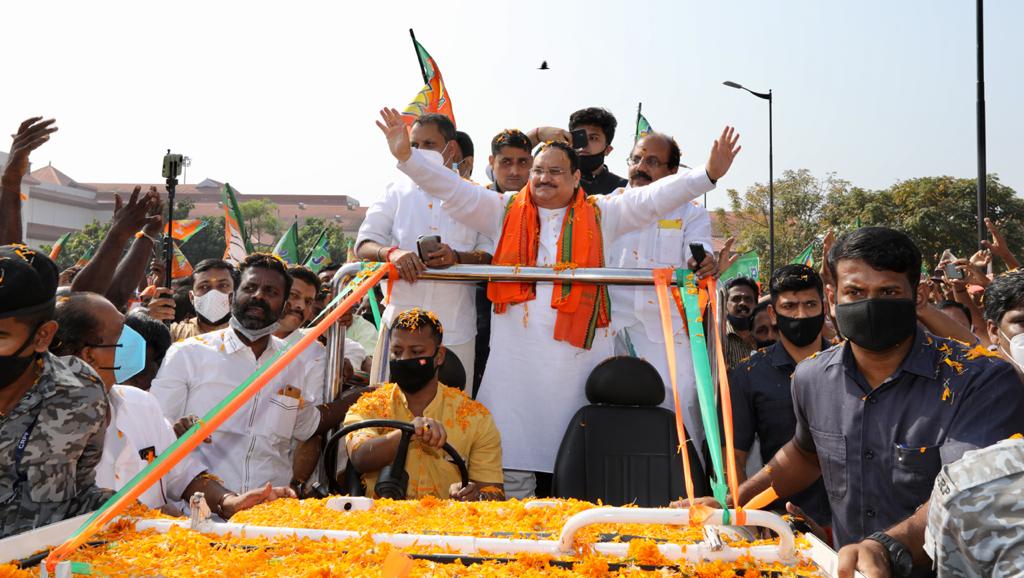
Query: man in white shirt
pixel 663 244
pixel 92 329
pixel 390 232
pixel 535 381
pixel 254 446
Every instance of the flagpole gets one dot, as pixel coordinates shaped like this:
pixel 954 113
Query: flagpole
pixel 636 131
pixel 415 46
pixel 313 246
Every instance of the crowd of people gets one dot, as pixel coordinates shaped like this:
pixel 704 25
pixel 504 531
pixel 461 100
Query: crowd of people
pixel 854 387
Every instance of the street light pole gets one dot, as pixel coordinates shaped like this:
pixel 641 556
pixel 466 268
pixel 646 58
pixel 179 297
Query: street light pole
pixel 982 169
pixel 771 170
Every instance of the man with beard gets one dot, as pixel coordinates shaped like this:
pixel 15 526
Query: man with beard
pixel 664 244
pixel 741 295
pixel 254 446
pixel 510 161
pixel 762 406
pixel 600 125
pixel 550 336
pixel 417 396
pixel 878 416
pixel 212 285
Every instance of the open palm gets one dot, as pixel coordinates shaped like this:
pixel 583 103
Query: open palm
pixel 395 131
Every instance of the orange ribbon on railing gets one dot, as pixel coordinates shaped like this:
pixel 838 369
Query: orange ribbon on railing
pixel 662 278
pixel 726 400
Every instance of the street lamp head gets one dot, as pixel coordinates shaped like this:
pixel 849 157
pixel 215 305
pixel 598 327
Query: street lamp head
pixel 732 84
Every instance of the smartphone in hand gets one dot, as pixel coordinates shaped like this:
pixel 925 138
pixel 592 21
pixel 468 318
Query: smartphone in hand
pixel 427 244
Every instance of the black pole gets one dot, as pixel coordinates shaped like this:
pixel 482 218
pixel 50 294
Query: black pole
pixel 636 127
pixel 982 170
pixel 771 192
pixel 416 48
pixel 172 182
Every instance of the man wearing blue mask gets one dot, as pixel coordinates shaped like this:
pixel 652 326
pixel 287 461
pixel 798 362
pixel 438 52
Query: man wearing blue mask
pixel 52 409
pixel 92 329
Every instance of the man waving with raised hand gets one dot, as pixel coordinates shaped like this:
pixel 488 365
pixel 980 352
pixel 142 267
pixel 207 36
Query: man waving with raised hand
pixel 547 347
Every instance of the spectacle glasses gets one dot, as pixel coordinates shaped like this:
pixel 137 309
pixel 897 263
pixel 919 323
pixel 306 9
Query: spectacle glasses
pixel 554 171
pixel 652 162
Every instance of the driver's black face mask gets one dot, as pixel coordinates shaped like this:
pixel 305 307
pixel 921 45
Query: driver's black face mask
pixel 413 374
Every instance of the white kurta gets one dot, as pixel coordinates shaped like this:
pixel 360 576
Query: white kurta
pixel 635 312
pixel 399 219
pixel 137 425
pixel 253 446
pixel 533 384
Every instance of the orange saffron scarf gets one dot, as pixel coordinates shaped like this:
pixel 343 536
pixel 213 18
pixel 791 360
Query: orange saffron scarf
pixel 581 307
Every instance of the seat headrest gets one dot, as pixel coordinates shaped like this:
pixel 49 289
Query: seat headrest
pixel 452 373
pixel 624 380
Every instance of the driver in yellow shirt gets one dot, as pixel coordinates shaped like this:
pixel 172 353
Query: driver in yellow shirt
pixel 439 413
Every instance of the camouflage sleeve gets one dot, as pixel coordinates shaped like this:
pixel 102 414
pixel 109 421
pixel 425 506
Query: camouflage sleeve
pixel 95 411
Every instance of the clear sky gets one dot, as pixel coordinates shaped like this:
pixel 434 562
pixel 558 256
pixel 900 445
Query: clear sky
pixel 281 97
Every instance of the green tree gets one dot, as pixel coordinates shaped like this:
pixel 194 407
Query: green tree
pixel 799 199
pixel 80 242
pixel 937 212
pixel 261 223
pixel 336 239
pixel 182 208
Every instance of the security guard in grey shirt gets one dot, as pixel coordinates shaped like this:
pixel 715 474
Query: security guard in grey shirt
pixel 53 410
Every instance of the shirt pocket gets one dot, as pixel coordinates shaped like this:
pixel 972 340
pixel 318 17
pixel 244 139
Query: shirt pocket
pixel 50 482
pixel 281 411
pixel 913 473
pixel 668 245
pixel 831 449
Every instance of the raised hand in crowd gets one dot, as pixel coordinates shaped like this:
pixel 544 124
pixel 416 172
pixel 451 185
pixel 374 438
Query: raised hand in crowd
pixel 128 219
pixel 31 135
pixel 726 257
pixel 548 134
pixel 826 246
pixel 131 271
pixel 999 247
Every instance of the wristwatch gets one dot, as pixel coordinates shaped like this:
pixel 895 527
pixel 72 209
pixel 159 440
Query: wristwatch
pixel 900 561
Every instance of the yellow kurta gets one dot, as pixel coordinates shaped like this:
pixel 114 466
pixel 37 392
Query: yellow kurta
pixel 470 428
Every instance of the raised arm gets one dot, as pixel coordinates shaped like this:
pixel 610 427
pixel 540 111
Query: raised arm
pixel 96 276
pixel 638 207
pixel 474 206
pixel 31 135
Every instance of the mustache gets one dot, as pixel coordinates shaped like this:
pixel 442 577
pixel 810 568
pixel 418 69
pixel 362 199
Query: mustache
pixel 640 173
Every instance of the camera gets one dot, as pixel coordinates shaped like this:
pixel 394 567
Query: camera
pixel 172 165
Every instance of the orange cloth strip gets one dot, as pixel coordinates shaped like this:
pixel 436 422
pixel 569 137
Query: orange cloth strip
pixel 726 399
pixel 662 278
pixel 761 500
pixel 208 427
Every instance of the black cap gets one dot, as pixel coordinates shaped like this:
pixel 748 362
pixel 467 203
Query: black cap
pixel 28 281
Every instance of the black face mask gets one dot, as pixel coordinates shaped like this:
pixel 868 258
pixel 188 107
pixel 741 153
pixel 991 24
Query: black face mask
pixel 414 374
pixel 762 344
pixel 877 324
pixel 589 164
pixel 13 366
pixel 740 323
pixel 800 331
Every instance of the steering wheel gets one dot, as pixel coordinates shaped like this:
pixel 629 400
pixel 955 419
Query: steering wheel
pixel 393 480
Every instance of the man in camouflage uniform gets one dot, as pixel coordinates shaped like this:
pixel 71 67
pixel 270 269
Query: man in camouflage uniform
pixel 976 513
pixel 53 410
